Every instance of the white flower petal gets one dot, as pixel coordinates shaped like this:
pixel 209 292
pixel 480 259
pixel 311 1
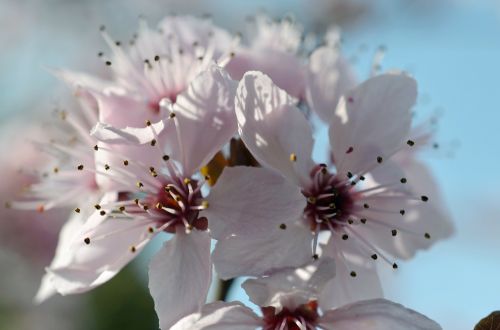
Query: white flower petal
pixel 273 129
pixel 180 275
pixel 263 250
pixel 291 288
pixel 244 197
pixel 220 316
pixel 372 121
pixel 128 135
pixel 62 255
pixel 376 314
pixel 205 117
pixel 327 79
pixel 344 288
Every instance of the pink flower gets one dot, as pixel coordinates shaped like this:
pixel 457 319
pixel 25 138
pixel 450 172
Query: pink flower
pixel 290 300
pixel 268 218
pixel 151 200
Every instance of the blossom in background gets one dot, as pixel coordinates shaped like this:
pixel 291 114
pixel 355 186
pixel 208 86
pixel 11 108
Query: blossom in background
pixel 268 218
pixel 290 300
pixel 151 200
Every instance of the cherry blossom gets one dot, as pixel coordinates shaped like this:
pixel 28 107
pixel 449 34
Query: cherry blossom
pixel 290 300
pixel 152 200
pixel 272 217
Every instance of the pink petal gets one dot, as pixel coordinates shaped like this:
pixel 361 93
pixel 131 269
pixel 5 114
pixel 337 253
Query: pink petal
pixel 180 275
pixel 372 121
pixel 285 69
pixel 248 199
pixel 328 78
pixel 205 118
pixel 263 251
pixel 376 314
pixel 291 288
pixel 275 131
pixel 345 288
pixel 221 316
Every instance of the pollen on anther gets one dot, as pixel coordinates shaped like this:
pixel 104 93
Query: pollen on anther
pixel 80 167
pixel 102 213
pixel 153 142
pixel 148 123
pixel 395 266
pixel 374 256
pixel 125 162
pixel 315 256
pixel 139 184
pixel 283 226
pixel 349 175
pixel 133 249
pixel 353 274
pixel 363 220
pixel 96 147
pixel 403 180
pixel 187 181
pixel 394 232
pixel 293 157
pixel 77 210
pixel 345 237
pixel 166 157
pixel 366 206
pixel 411 143
pixel 205 204
pixel 151 230
pixel 106 167
pixel 86 240
pixel 311 200
pixel 97 207
pixel 157 58
pixel 122 208
pixel 159 206
pixel 424 198
pixel 427 236
pixel 108 63
pixel 349 150
pixel 379 159
pixel 402 212
pixel 172 115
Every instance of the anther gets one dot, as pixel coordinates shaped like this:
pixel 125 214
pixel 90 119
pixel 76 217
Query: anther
pixel 424 198
pixel 374 256
pixel 139 184
pixel 106 167
pixel 283 226
pixel 108 63
pixel 96 147
pixel 166 157
pixel 122 208
pixel 353 274
pixel 159 206
pixel 402 212
pixel 77 210
pixel 125 162
pixel 350 221
pixel 80 167
pixel 395 266
pixel 187 181
pixel 205 204
pixel 136 201
pixel 427 236
pixel 293 157
pixel 86 240
pixel 102 28
pixel 394 232
pixel 151 230
pixel 366 206
pixel 145 207
pixel 315 257
pixel 410 143
pixel 148 123
pixel 153 142
pixel 133 249
pixel 102 213
pixel 403 180
pixel 345 237
pixel 97 207
pixel 363 220
pixel 40 208
pixel 100 54
pixel 56 170
pixel 362 178
pixel 379 159
pixel 311 200
pixel 171 115
pixel 349 150
pixel 157 58
pixel 118 43
pixel 349 175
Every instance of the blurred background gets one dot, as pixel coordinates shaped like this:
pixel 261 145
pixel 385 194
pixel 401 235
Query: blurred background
pixel 452 47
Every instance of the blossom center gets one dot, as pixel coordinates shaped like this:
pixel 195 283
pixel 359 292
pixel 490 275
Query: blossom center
pixel 303 317
pixel 329 201
pixel 178 203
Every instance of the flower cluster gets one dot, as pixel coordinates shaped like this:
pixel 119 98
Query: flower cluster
pixel 199 135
